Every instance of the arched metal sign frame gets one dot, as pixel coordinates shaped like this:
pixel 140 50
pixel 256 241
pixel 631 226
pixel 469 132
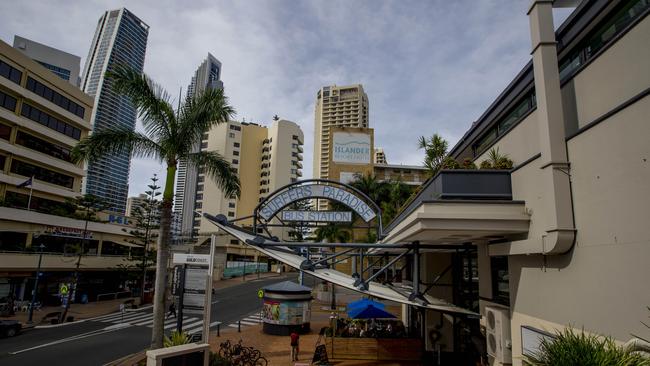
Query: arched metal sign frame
pixel 261 222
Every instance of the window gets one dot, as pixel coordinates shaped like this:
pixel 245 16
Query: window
pixel 236 144
pixel 235 161
pixel 54 97
pixel 231 214
pixel 5 132
pixel 204 145
pixel 200 179
pixel 7 102
pixel 46 120
pixel 500 280
pixel 236 153
pixel 199 187
pixel 40 173
pixel 231 204
pixel 196 223
pixel 10 72
pixel 35 143
pixel 231 135
pixel 235 128
pixel 2 162
pixel 234 241
pixel 199 196
pixel 204 137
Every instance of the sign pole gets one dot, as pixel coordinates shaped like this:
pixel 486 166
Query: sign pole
pixel 179 316
pixel 208 292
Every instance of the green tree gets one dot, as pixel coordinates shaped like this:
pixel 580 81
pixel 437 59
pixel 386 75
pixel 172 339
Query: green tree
pixel 299 229
pixel 435 151
pixel 85 208
pixel 498 160
pixel 332 234
pixel 398 194
pixel 370 186
pixel 169 136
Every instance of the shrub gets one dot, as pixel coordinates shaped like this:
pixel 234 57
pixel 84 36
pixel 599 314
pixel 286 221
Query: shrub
pixel 498 160
pixel 450 163
pixel 570 348
pixel 176 339
pixel 217 360
pixel 468 164
pixel 485 164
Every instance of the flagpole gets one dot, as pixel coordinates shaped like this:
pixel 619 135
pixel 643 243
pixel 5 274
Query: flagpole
pixel 31 190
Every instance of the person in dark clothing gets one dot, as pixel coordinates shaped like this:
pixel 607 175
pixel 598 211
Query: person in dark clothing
pixel 172 310
pixel 295 339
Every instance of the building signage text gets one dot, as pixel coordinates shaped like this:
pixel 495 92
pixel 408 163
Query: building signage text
pixel 195 259
pixel 351 148
pixel 297 193
pixel 317 216
pixel 68 232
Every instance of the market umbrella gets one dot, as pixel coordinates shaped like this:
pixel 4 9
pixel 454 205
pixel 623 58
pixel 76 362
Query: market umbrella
pixel 370 312
pixel 364 303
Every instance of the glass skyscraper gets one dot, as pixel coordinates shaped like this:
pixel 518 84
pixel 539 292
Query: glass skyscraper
pixel 120 39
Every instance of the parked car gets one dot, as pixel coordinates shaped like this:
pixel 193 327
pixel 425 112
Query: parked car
pixel 9 328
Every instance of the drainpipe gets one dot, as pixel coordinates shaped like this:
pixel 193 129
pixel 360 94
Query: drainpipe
pixel 560 229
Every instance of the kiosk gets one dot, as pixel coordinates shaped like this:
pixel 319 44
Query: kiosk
pixel 287 308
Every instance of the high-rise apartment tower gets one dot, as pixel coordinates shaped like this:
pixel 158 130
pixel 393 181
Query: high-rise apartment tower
pixel 62 64
pixel 207 76
pixel 120 39
pixel 336 106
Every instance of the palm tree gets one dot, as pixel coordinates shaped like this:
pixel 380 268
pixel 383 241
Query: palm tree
pixel 332 233
pixel 370 186
pixel 169 136
pixel 435 150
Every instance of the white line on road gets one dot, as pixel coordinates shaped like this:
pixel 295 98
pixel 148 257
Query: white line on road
pixel 108 329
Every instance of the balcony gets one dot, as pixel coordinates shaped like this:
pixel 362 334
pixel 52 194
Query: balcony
pixel 471 184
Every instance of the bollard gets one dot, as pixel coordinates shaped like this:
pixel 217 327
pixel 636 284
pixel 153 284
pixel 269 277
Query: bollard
pixel 218 330
pixel 239 326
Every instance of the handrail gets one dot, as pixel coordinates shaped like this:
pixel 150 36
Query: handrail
pixel 114 294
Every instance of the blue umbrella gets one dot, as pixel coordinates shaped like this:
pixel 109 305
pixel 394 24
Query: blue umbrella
pixel 370 312
pixel 364 303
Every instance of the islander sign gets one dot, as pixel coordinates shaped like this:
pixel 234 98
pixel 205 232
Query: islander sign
pixel 352 148
pixel 292 194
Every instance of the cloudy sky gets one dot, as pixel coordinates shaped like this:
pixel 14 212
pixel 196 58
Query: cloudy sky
pixel 427 66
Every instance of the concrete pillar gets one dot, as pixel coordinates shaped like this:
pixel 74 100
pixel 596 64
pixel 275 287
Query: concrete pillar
pixel 28 240
pixel 558 212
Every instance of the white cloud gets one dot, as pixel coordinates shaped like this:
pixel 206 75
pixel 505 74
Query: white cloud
pixel 427 67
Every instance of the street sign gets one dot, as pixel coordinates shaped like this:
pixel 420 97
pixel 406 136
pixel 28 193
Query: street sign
pixel 195 278
pixel 260 293
pixel 317 216
pixel 194 259
pixel 63 290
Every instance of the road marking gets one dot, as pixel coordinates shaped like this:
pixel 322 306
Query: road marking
pixel 121 319
pixel 233 325
pixel 108 329
pixel 248 323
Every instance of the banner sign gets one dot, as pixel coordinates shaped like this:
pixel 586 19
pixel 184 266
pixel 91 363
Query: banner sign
pixel 195 259
pixel 297 193
pixel 351 148
pixel 317 216
pixel 286 313
pixel 67 232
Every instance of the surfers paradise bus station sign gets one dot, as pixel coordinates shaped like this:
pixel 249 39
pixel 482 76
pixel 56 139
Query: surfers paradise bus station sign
pixel 295 193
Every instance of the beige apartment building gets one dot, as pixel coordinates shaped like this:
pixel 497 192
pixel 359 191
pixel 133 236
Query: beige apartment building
pixel 561 239
pixel 336 106
pixel 42 116
pixel 265 158
pixel 412 175
pixel 380 156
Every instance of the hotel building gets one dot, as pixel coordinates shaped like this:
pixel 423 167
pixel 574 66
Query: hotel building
pixel 562 238
pixel 42 117
pixel 62 64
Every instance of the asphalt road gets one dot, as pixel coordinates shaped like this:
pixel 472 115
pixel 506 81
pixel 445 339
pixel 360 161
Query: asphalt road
pixel 99 341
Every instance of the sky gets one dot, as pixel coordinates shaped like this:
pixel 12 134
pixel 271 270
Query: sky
pixel 427 66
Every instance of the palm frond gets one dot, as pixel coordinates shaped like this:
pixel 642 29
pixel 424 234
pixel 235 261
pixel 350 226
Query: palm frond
pixel 217 168
pixel 108 142
pixel 200 112
pixel 149 98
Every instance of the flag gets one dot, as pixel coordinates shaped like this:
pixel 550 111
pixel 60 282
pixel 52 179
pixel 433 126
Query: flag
pixel 26 183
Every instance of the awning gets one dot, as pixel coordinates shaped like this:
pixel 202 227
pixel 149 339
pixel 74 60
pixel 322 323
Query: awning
pixel 288 257
pixel 456 222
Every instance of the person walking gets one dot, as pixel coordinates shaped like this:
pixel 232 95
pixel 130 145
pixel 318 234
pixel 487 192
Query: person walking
pixel 172 310
pixel 295 347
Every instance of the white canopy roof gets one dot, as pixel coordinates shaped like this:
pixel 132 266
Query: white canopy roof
pixel 287 256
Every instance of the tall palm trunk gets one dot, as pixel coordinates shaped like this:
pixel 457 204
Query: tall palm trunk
pixel 162 258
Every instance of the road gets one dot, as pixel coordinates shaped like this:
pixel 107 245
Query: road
pixel 104 339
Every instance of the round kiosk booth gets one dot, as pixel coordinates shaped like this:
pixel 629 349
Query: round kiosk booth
pixel 286 309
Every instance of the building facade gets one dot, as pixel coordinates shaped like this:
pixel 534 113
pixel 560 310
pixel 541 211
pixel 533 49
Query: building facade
pixel 336 106
pixel 62 64
pixel 561 239
pixel 207 76
pixel 412 175
pixel 120 39
pixel 380 156
pixel 42 117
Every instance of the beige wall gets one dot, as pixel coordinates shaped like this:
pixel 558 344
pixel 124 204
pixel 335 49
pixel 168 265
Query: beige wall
pixel 249 172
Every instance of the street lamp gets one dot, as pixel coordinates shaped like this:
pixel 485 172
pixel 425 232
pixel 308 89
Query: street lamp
pixel 38 274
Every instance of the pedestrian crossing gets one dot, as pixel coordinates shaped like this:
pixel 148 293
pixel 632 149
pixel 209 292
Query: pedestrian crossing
pixel 191 324
pixel 253 319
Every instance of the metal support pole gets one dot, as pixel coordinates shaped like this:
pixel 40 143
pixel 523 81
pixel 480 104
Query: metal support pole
pixel 218 329
pixel 239 326
pixel 38 274
pixel 179 316
pixel 361 265
pixel 364 284
pixel 416 271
